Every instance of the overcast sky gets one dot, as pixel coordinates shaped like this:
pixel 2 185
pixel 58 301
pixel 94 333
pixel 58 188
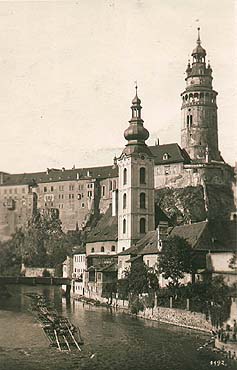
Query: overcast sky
pixel 67 72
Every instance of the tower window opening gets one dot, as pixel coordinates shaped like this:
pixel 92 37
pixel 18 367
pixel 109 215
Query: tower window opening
pixel 142 226
pixel 143 200
pixel 188 121
pixel 124 226
pixel 102 249
pixel 110 185
pixel 113 248
pixel 142 175
pixel 124 201
pixel 191 120
pixel 125 175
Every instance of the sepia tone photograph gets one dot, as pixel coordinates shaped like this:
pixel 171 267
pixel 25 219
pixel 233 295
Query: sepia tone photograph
pixel 118 194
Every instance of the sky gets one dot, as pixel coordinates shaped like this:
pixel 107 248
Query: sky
pixel 67 73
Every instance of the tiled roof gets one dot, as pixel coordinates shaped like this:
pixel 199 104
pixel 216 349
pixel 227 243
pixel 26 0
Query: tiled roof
pixel 106 229
pixel 202 236
pixel 190 232
pixel 138 247
pixel 53 175
pixel 173 151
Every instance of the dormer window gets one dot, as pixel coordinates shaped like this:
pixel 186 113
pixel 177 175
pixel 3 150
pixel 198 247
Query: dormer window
pixel 165 156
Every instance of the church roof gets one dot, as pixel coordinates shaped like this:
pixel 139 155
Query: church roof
pixel 106 229
pixel 169 153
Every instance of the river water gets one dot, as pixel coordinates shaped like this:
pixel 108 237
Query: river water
pixel 113 340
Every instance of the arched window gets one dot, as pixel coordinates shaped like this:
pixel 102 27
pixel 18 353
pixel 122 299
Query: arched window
pixel 92 250
pixel 142 200
pixel 142 175
pixel 124 201
pixel 113 248
pixel 102 249
pixel 142 226
pixel 124 226
pixel 125 175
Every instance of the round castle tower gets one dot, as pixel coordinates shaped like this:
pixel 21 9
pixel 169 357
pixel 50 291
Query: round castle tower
pixel 199 133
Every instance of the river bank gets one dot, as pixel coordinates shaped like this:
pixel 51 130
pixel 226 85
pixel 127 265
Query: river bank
pixel 112 339
pixel 178 317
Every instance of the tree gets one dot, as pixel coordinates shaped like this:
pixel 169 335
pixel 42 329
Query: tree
pixel 175 259
pixel 140 279
pixel 233 261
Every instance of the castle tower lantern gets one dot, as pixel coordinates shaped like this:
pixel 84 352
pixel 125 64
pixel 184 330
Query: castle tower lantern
pixel 199 109
pixel 136 182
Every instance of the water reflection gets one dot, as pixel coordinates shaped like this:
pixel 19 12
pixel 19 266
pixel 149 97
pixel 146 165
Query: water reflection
pixel 113 340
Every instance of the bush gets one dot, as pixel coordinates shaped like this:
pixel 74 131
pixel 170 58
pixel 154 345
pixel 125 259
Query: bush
pixel 46 273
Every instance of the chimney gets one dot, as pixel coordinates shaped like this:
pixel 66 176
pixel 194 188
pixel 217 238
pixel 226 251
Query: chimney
pixel 47 171
pixel 63 169
pixel 88 174
pixel 162 233
pixel 78 176
pixel 114 202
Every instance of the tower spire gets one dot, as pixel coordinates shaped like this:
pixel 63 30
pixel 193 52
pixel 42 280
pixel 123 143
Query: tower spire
pixel 136 134
pixel 198 39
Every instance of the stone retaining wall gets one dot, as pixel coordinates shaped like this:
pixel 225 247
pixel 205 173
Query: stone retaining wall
pixel 188 319
pixel 174 316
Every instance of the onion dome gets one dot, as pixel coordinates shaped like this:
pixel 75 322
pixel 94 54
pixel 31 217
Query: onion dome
pixel 136 134
pixel 199 50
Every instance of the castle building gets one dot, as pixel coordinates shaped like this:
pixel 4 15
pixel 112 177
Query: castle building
pixel 82 194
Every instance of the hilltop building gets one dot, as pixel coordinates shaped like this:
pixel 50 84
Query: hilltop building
pixel 140 179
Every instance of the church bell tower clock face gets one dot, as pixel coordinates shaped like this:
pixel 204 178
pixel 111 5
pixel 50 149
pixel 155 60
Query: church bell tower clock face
pixel 136 182
pixel 199 110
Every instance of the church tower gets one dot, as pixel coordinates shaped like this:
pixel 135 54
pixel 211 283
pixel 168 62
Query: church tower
pixel 199 133
pixel 136 183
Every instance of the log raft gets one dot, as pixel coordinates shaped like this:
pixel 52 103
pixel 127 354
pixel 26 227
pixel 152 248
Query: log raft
pixel 60 332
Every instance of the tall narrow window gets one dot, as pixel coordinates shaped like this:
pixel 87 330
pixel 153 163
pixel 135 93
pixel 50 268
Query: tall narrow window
pixel 110 185
pixel 142 226
pixel 142 200
pixel 124 226
pixel 191 119
pixel 102 249
pixel 142 175
pixel 124 201
pixel 125 175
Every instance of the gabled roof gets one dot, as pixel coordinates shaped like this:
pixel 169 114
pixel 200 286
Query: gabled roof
pixel 53 175
pixel 190 232
pixel 204 236
pixel 173 151
pixel 138 247
pixel 106 229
